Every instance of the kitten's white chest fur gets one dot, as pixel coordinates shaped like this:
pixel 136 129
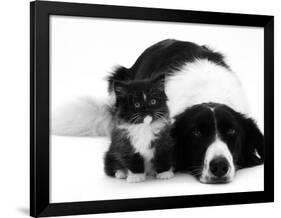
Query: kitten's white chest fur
pixel 141 135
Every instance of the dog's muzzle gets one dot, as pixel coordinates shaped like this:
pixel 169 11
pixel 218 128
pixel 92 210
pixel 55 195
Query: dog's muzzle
pixel 218 164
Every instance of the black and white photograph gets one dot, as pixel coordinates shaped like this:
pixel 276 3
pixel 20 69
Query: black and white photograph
pixel 144 109
pixel 137 108
pixel 141 108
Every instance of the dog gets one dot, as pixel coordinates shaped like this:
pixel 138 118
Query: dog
pixel 212 126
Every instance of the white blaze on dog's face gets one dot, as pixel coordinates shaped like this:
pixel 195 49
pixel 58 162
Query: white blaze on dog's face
pixel 218 163
pixel 213 140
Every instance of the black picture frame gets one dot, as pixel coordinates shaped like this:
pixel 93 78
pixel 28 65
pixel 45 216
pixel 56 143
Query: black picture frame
pixel 40 12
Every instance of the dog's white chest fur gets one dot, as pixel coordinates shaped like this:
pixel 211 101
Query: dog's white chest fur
pixel 141 136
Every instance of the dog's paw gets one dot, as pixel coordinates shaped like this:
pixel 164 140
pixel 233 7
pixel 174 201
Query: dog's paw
pixel 165 175
pixel 135 177
pixel 151 173
pixel 120 174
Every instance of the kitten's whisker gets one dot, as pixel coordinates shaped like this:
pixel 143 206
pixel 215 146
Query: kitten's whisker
pixel 138 118
pixel 158 114
pixel 134 118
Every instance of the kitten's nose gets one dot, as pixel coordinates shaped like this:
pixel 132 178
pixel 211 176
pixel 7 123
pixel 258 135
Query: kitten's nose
pixel 147 120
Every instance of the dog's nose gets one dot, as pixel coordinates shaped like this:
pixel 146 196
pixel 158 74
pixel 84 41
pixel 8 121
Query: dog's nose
pixel 219 167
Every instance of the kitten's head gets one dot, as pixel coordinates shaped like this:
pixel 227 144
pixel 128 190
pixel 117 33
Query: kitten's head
pixel 140 99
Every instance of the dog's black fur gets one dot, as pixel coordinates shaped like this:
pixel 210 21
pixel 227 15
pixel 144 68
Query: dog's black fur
pixel 165 57
pixel 196 128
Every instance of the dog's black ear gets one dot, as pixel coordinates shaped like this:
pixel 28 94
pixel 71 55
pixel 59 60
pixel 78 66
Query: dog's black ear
pixel 252 151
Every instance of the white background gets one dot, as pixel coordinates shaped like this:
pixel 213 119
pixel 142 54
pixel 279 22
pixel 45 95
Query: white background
pixel 83 53
pixel 85 50
pixel 14 86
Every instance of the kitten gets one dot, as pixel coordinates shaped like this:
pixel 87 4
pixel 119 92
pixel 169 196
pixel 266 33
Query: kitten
pixel 140 140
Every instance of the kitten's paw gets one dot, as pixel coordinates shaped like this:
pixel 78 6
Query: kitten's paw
pixel 120 174
pixel 135 177
pixel 165 175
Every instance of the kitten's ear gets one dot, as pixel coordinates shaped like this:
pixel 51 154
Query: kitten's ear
pixel 120 88
pixel 119 74
pixel 160 82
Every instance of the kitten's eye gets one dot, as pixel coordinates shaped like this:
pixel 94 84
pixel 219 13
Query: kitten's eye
pixel 196 132
pixel 152 101
pixel 231 132
pixel 137 105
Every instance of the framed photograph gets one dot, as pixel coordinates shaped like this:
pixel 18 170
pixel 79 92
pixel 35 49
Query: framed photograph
pixel 143 108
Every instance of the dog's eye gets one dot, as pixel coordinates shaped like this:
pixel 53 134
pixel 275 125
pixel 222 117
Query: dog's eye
pixel 196 132
pixel 137 105
pixel 152 101
pixel 231 132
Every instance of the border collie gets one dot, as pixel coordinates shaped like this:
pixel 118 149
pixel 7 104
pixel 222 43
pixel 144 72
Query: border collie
pixel 212 127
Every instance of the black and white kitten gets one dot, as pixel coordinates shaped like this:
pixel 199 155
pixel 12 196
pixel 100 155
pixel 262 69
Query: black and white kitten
pixel 140 140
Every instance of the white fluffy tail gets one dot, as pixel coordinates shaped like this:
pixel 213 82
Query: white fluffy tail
pixel 84 117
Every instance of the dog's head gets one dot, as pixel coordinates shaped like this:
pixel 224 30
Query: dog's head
pixel 213 141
